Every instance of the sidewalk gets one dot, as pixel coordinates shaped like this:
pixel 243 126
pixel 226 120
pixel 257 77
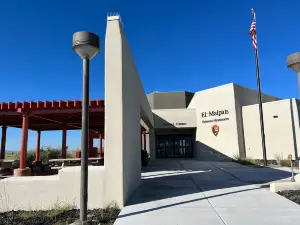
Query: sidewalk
pixel 262 176
pixel 187 192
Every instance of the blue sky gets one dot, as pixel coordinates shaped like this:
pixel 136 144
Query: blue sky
pixel 177 45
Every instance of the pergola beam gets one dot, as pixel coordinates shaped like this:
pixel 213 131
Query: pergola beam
pixel 11 106
pixel 78 125
pixel 58 111
pixel 61 123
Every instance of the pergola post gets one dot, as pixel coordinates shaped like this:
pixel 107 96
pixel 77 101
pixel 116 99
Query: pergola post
pixel 38 147
pixel 64 144
pixel 100 145
pixel 144 141
pixel 23 170
pixel 3 142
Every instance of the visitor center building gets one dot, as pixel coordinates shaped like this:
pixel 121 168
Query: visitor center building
pixel 223 122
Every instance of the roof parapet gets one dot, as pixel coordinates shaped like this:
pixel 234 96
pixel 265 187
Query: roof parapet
pixel 114 16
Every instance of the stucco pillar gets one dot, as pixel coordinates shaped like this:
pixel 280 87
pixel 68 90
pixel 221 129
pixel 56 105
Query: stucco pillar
pixel 144 137
pixel 38 147
pixel 23 170
pixel 64 144
pixel 125 105
pixel 3 142
pixel 152 144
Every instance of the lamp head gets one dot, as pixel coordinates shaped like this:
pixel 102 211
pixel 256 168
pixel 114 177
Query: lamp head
pixel 293 62
pixel 85 44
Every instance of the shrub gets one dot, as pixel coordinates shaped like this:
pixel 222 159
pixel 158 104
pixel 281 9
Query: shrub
pixel 46 153
pixel 278 157
pixel 281 161
pixel 29 159
pixel 245 161
pixel 285 162
pixel 71 154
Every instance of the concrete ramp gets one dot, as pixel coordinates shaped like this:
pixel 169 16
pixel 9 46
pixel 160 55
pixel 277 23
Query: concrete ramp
pixel 189 192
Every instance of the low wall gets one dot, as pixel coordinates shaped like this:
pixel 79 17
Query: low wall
pixel 44 192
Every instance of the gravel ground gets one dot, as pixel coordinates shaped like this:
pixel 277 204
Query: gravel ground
pixel 98 216
pixel 291 195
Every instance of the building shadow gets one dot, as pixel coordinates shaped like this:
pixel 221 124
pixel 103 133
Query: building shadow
pixel 203 152
pixel 173 178
pixel 182 202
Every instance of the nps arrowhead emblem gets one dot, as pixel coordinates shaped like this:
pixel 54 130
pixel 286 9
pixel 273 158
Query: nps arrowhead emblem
pixel 215 129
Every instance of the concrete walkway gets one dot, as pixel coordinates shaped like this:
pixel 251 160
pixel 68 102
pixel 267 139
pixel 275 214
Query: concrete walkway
pixel 256 175
pixel 188 192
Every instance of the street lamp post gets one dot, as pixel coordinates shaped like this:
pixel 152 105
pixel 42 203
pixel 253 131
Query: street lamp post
pixel 86 45
pixel 293 62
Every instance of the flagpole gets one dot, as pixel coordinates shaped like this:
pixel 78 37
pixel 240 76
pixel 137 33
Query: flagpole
pixel 262 127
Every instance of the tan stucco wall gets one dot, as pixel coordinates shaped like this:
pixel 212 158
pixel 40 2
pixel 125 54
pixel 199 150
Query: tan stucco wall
pixel 176 118
pixel 46 192
pixel 219 98
pixel 125 104
pixel 280 135
pixel 243 97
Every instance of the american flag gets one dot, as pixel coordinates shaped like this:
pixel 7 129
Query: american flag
pixel 253 30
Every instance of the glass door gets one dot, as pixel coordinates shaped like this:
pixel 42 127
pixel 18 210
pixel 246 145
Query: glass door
pixel 178 146
pixel 161 147
pixel 171 146
pixel 188 146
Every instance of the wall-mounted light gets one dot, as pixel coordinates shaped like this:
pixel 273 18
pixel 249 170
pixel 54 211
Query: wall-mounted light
pixel 275 116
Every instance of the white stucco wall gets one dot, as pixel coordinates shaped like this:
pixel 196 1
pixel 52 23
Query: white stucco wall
pixel 280 135
pixel 177 118
pixel 219 98
pixel 125 104
pixel 44 192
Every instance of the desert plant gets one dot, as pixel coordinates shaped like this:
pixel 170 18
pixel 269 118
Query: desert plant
pixel 71 154
pixel 282 161
pixel 236 156
pixel 278 157
pixel 285 163
pixel 109 212
pixel 29 158
pixel 244 160
pixel 46 153
pixel 51 153
pixel 60 207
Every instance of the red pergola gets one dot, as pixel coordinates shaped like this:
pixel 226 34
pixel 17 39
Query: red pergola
pixel 48 116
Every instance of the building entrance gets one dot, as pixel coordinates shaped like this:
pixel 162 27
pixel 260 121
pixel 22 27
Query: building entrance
pixel 174 146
